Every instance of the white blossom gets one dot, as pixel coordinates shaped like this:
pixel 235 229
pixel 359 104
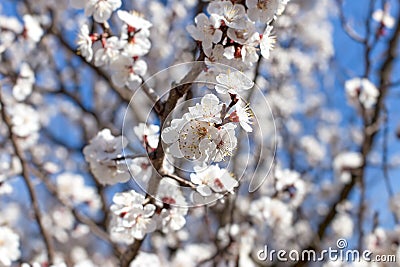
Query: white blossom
pixel 343 225
pixel 71 187
pixel 10 28
pixel 9 246
pixel 172 216
pixel 11 23
pixel 189 138
pixel 141 170
pixel 249 49
pixel 25 120
pixel 135 34
pixel 192 254
pixel 5 188
pixel 361 90
pixel 314 149
pixel 109 52
pixel 240 36
pixel 9 166
pixel 148 134
pixel 225 143
pixel 244 48
pixel 128 71
pixel 206 30
pixel 243 115
pixel 33 30
pixel 144 259
pixel 196 136
pixel 119 234
pixel 262 10
pixel 24 83
pixel 132 217
pixel 137 46
pixel 233 15
pixel 215 55
pixel 134 20
pixel 62 221
pixel 384 17
pixel 378 241
pixel 290 186
pixel 208 110
pixel 267 42
pixel 85 42
pixel 271 211
pixel 345 162
pixel 101 9
pixel 233 82
pixel 101 154
pixel 212 179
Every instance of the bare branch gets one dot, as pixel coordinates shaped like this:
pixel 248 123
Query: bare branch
pixel 94 228
pixel 180 180
pixel 348 30
pixel 31 189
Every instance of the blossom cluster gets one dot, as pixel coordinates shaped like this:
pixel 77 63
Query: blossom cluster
pixel 229 34
pixel 205 134
pixel 134 216
pixel 173 185
pixel 122 54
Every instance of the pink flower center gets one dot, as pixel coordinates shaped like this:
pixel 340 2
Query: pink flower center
pixel 233 117
pixel 218 183
pixel 168 200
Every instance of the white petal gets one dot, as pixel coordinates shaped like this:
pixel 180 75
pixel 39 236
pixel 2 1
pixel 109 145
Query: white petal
pixel 175 150
pixel 204 190
pixel 169 135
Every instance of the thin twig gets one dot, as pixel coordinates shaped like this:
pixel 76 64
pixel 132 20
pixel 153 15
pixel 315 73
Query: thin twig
pixel 385 72
pixel 124 157
pixel 385 166
pixel 180 180
pixel 175 94
pixel 348 30
pixel 123 94
pixel 361 211
pixel 31 190
pixel 94 228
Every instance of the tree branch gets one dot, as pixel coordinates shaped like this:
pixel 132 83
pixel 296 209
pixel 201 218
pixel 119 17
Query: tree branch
pixel 385 73
pixel 175 94
pixel 94 228
pixel 31 189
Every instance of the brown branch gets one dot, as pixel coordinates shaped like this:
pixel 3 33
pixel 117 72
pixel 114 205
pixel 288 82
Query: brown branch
pixel 31 189
pixel 180 180
pixel 123 94
pixel 175 94
pixel 369 46
pixel 385 165
pixel 361 212
pixel 125 157
pixel 385 73
pixel 94 228
pixel 130 253
pixel 348 30
pixel 152 95
pixel 101 192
